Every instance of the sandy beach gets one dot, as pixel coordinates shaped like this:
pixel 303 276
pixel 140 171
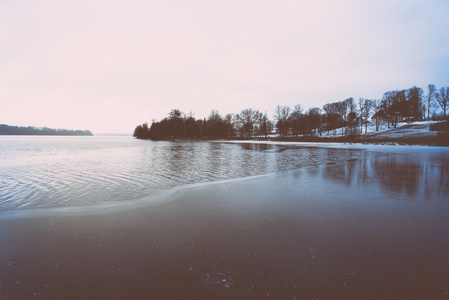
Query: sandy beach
pixel 303 234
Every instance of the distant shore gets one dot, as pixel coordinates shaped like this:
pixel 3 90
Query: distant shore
pixel 32 130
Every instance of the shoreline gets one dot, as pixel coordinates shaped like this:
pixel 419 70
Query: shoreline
pixel 418 133
pixel 437 139
pixel 305 233
pixel 157 197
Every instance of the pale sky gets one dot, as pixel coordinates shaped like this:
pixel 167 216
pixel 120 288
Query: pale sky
pixel 108 66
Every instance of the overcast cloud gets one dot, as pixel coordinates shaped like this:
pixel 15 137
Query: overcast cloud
pixel 108 66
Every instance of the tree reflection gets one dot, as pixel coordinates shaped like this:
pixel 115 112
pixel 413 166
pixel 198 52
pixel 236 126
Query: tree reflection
pixel 398 174
pixel 262 147
pixel 418 176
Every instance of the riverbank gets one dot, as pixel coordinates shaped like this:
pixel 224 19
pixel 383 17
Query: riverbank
pixel 312 233
pixel 418 133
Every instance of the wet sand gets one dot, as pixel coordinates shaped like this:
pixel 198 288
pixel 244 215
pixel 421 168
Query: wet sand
pixel 304 234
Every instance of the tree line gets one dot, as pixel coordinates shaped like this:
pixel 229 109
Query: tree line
pixel 349 116
pixel 30 130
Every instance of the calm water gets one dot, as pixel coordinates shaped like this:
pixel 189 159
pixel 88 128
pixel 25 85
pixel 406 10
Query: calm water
pixel 42 172
pixel 348 222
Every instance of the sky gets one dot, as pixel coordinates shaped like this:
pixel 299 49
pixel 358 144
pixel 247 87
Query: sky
pixel 108 66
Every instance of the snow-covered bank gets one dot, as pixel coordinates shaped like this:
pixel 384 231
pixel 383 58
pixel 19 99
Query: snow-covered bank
pixel 417 127
pixel 386 148
pixel 417 133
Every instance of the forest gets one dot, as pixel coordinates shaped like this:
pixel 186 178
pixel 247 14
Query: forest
pixel 350 116
pixel 30 130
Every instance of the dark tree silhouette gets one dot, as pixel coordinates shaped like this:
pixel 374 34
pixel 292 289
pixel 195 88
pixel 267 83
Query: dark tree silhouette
pixel 231 123
pixel 443 99
pixel 176 122
pixel 281 116
pixel 351 115
pixel 394 106
pixel 377 111
pixel 366 106
pixel 386 103
pixel 142 131
pixel 414 104
pixel 297 121
pixel 265 125
pixel 31 130
pixel 314 118
pixel 192 127
pixel 248 120
pixel 333 117
pixel 216 126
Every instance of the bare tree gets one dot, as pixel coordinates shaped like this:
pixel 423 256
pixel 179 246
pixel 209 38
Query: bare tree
pixel 314 118
pixel 342 108
pixel 333 118
pixel 400 106
pixel 361 107
pixel 443 99
pixel 298 108
pixel 230 121
pixel 281 116
pixel 431 89
pixel 366 106
pixel 265 125
pixel 296 120
pixel 337 114
pixel 394 103
pixel 387 101
pixel 414 104
pixel 248 119
pixel 377 106
pixel 351 114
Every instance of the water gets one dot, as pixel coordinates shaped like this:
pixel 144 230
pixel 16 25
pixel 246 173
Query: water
pixel 44 172
pixel 332 222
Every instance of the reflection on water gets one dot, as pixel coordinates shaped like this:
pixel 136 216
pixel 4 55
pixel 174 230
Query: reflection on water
pixel 263 147
pixel 423 176
pixel 40 172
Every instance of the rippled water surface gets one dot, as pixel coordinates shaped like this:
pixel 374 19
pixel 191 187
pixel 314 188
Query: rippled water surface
pixel 42 172
pixel 37 172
